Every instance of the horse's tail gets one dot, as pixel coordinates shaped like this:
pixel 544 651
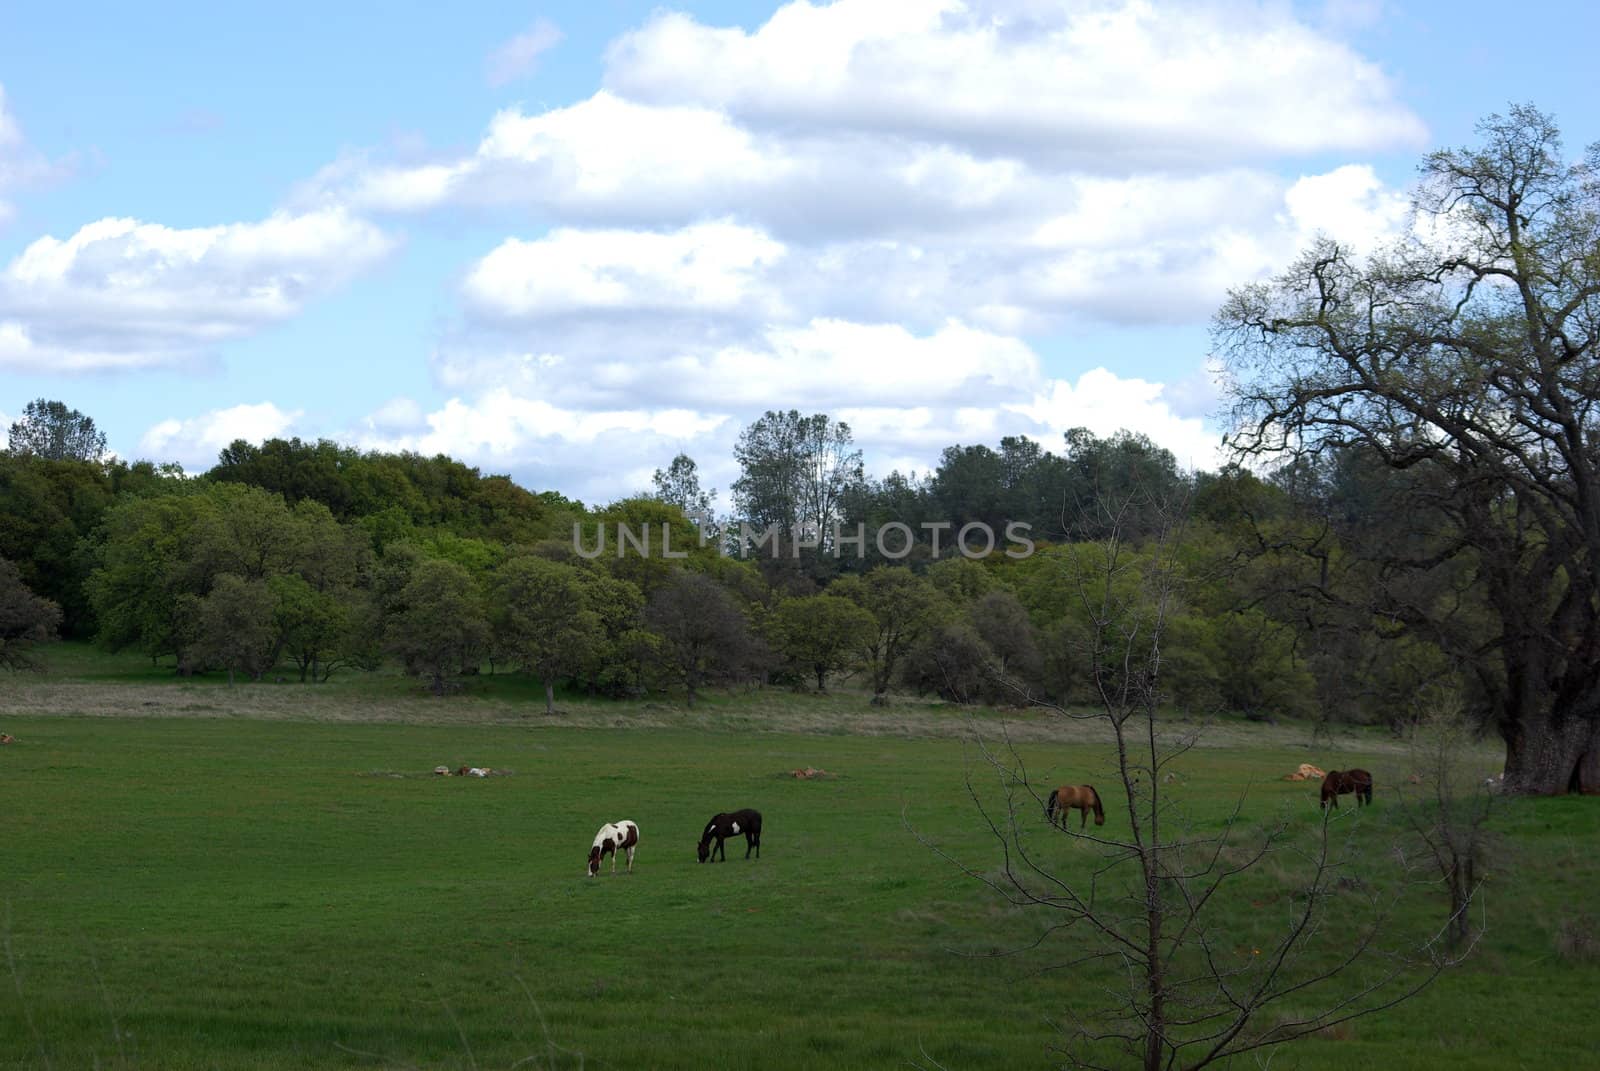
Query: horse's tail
pixel 1099 811
pixel 1050 806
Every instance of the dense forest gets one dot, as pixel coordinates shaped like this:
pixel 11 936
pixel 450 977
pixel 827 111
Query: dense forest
pixel 315 558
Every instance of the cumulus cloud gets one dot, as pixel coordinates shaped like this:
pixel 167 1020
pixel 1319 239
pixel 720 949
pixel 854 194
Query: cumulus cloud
pixel 603 158
pixel 518 57
pixel 121 293
pixel 196 441
pixel 710 267
pixel 1105 403
pixel 1097 84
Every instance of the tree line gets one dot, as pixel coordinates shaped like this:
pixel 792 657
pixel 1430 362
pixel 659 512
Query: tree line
pixel 311 558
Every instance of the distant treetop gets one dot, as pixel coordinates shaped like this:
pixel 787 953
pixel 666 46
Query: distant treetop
pixel 51 430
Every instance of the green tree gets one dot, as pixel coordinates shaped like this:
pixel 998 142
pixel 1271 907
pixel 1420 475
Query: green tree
pixel 702 635
pixel 903 606
pixel 1001 622
pixel 795 472
pixel 46 509
pixel 26 621
pixel 679 485
pixel 1465 358
pixel 436 624
pixel 542 618
pixel 235 626
pixel 645 521
pixel 318 630
pixel 1125 471
pixel 240 530
pixel 822 634
pixel 141 585
pixel 52 431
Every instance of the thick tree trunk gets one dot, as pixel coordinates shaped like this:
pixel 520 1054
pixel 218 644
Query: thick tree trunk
pixel 1546 756
pixel 549 696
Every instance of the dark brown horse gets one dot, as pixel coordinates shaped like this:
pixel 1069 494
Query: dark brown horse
pixel 1342 782
pixel 1083 797
pixel 731 824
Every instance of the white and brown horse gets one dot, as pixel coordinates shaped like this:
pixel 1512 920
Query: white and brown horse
pixel 613 839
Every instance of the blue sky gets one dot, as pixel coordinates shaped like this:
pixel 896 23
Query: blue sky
pixel 946 221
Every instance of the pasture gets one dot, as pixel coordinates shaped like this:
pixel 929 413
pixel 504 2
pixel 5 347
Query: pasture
pixel 196 890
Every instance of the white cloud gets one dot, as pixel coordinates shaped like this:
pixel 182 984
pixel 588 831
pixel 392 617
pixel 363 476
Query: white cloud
pixel 122 293
pixel 1097 83
pixel 1141 249
pixel 819 363
pixel 603 158
pixel 517 57
pixel 709 267
pixel 1350 203
pixel 195 442
pixel 397 415
pixel 826 361
pixel 21 352
pixel 1106 403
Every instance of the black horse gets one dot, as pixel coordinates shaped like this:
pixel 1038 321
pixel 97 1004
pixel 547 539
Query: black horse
pixel 728 825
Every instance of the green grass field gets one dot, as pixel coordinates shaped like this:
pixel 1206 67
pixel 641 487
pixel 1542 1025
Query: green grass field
pixel 200 890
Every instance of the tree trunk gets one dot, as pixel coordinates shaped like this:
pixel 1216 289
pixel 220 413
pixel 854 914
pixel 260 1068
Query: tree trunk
pixel 549 696
pixel 822 672
pixel 1546 756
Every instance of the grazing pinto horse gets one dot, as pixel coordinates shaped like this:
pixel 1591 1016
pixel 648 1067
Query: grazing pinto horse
pixel 728 825
pixel 613 839
pixel 1082 797
pixel 1340 782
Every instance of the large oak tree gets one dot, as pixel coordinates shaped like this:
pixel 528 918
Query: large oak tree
pixel 1468 356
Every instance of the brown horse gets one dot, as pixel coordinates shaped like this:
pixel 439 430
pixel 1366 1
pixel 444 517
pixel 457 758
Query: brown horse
pixel 1082 797
pixel 1340 782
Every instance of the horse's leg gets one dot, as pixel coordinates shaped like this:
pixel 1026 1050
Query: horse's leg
pixel 749 843
pixel 630 860
pixel 1084 811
